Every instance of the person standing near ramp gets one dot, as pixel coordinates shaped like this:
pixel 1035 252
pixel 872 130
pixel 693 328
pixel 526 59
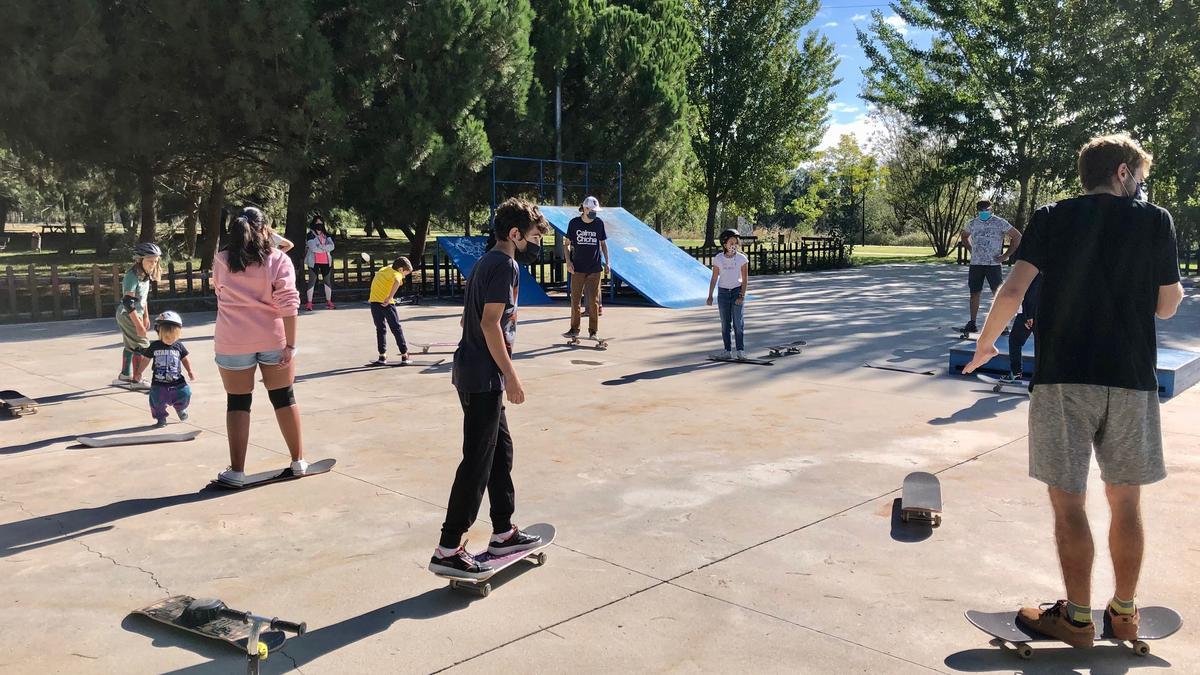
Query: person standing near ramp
pixel 984 238
pixel 587 261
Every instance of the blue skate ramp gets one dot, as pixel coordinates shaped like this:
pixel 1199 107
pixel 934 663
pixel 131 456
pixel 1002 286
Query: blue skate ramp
pixel 644 259
pixel 466 251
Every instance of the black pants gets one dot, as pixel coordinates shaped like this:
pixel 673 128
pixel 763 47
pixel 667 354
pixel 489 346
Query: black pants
pixel 381 313
pixel 1016 342
pixel 486 463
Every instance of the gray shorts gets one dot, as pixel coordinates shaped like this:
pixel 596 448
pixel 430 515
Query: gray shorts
pixel 1067 420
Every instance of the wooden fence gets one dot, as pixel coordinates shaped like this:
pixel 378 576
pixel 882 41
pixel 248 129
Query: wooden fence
pixel 31 293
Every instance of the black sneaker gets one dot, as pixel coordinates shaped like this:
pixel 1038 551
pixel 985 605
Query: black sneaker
pixel 461 564
pixel 574 332
pixel 970 327
pixel 516 541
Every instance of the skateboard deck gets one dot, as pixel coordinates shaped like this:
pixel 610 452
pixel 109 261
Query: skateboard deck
pixel 142 388
pixel 1155 623
pixel 17 404
pixel 899 369
pixel 921 499
pixel 174 612
pixel 998 385
pixel 789 348
pixel 277 475
pixel 426 346
pixel 601 343
pixel 111 441
pixel 757 362
pixel 499 562
pixel 402 364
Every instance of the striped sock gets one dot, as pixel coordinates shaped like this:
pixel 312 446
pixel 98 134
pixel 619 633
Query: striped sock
pixel 1079 614
pixel 1119 606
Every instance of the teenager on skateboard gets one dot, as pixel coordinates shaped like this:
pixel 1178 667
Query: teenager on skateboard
pixel 383 307
pixel 132 315
pixel 255 285
pixel 984 238
pixel 1109 266
pixel 484 374
pixel 168 358
pixel 1022 328
pixel 587 261
pixel 730 276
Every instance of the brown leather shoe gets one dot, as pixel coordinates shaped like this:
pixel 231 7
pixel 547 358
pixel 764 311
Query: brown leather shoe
pixel 1124 626
pixel 1051 621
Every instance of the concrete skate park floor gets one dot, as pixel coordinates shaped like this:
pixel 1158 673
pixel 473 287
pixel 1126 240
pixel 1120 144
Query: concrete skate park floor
pixel 711 517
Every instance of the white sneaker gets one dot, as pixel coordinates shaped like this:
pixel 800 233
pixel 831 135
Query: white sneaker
pixel 232 477
pixel 299 467
pixel 725 354
pixel 741 354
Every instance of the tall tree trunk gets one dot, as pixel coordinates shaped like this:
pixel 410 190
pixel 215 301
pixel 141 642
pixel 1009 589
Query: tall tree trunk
pixel 195 203
pixel 299 201
pixel 5 206
pixel 710 222
pixel 467 226
pixel 416 248
pixel 68 240
pixel 210 222
pixel 146 193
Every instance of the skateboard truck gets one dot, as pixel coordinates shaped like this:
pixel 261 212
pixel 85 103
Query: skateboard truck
pixel 203 611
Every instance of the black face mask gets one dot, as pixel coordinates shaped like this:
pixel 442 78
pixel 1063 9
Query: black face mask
pixel 530 255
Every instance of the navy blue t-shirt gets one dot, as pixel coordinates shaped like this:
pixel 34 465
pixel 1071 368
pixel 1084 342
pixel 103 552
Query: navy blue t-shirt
pixel 585 244
pixel 167 362
pixel 494 279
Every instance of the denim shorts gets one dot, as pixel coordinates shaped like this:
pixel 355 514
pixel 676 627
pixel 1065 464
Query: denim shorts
pixel 247 361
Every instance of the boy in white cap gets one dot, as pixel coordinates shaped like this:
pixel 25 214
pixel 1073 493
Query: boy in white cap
pixel 168 359
pixel 587 261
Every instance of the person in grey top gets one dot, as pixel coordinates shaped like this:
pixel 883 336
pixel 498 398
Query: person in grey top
pixel 984 238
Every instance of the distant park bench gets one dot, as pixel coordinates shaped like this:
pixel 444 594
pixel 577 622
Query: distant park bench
pixel 59 228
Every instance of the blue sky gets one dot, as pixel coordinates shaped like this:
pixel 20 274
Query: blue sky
pixel 837 21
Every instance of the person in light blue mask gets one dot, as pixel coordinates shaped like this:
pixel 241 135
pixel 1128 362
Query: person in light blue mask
pixel 984 238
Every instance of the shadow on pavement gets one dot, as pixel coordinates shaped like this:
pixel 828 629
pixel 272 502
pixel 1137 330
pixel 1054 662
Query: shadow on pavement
pixel 1102 659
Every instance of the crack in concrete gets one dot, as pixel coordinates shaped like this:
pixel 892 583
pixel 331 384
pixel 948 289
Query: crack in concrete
pixel 114 561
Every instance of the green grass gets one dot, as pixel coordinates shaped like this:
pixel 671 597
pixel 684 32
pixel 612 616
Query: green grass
pixel 884 255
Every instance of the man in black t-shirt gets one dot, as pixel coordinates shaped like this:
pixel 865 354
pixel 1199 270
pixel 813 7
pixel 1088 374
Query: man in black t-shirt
pixel 587 261
pixel 483 374
pixel 1109 266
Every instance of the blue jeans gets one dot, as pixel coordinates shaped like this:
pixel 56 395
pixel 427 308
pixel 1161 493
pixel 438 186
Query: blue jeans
pixel 1016 342
pixel 731 314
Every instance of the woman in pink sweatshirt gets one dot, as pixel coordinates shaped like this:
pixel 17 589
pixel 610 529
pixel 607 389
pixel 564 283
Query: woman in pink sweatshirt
pixel 257 303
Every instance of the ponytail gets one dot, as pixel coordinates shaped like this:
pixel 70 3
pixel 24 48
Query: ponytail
pixel 248 244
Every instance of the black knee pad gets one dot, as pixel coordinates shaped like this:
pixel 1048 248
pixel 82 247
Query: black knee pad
pixel 282 397
pixel 238 402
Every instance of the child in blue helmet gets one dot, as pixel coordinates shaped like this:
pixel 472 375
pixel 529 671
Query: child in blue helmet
pixel 169 359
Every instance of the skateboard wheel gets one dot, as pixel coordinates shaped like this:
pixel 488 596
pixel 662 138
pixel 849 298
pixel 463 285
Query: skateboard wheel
pixel 262 650
pixel 1140 648
pixel 484 590
pixel 937 521
pixel 540 558
pixel 454 585
pixel 1025 651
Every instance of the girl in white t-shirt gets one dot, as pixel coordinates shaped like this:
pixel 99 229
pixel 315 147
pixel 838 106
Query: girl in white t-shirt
pixel 731 275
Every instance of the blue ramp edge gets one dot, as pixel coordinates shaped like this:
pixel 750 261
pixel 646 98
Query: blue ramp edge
pixel 644 259
pixel 1178 370
pixel 466 251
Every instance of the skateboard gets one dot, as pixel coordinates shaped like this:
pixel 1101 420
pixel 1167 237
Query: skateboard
pixel 500 562
pixel 921 499
pixel 961 334
pixel 426 346
pixel 17 404
pixel 757 362
pixel 601 343
pixel 401 364
pixel 213 619
pixel 1155 623
pixel 998 385
pixel 276 475
pixel 110 441
pixel 899 369
pixel 787 349
pixel 132 386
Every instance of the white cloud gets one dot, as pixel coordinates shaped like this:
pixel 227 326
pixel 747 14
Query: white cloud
pixel 862 128
pixel 831 24
pixel 838 106
pixel 858 17
pixel 898 23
